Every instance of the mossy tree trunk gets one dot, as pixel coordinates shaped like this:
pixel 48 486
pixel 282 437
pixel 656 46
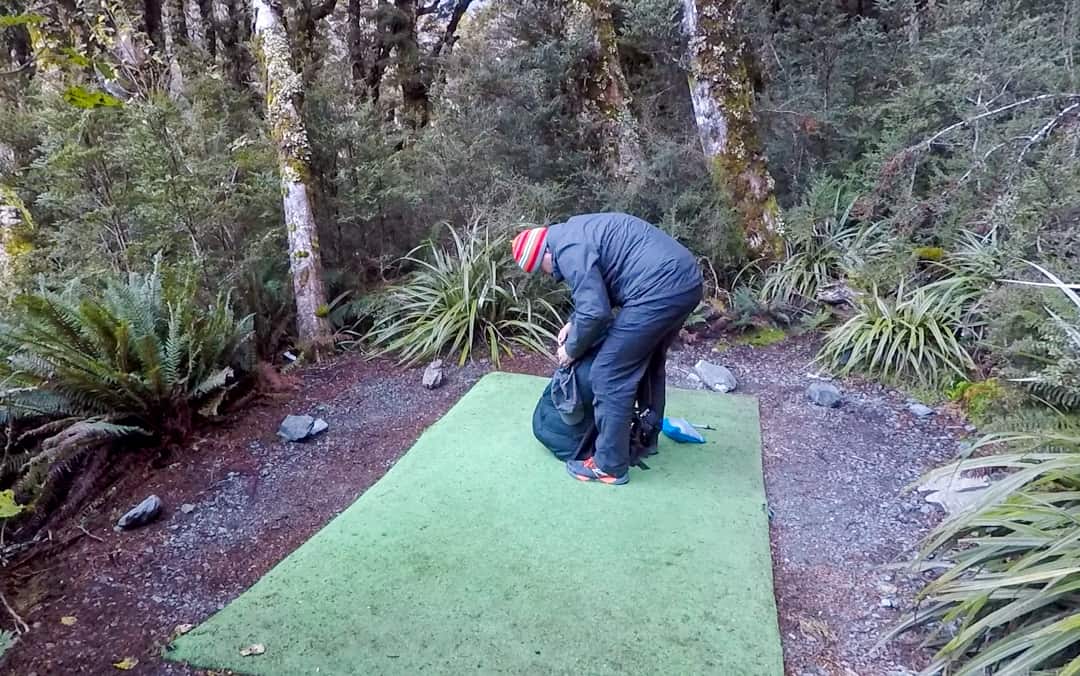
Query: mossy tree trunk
pixel 609 97
pixel 229 23
pixel 414 85
pixel 283 89
pixel 303 17
pixel 15 227
pixel 196 23
pixel 418 66
pixel 173 34
pixel 723 98
pixel 370 43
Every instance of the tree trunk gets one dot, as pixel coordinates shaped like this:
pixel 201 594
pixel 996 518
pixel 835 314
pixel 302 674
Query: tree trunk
pixel 414 85
pixel 449 37
pixel 609 96
pixel 358 47
pixel 283 86
pixel 369 50
pixel 153 20
pixel 14 245
pixel 172 35
pixel 226 20
pixel 195 21
pixel 723 98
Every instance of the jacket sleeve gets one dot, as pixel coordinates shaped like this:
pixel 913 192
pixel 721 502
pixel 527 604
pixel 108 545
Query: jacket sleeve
pixel 592 308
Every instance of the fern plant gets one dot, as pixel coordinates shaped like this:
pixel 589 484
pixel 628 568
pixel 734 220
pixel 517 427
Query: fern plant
pixel 140 357
pixel 1051 354
pixel 7 640
pixel 468 294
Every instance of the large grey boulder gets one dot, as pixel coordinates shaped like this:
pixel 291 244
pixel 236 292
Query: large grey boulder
pixel 716 377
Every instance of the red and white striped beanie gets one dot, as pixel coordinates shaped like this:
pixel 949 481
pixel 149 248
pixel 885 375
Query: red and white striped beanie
pixel 529 247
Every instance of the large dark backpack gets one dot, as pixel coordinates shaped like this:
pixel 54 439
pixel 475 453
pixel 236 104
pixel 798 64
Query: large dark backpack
pixel 578 442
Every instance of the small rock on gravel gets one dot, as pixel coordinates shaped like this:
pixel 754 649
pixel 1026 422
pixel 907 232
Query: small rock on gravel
pixel 300 427
pixel 824 394
pixel 141 514
pixel 433 375
pixel 716 377
pixel 921 410
pixel 187 508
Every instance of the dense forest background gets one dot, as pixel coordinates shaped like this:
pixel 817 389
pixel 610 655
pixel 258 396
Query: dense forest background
pixel 191 187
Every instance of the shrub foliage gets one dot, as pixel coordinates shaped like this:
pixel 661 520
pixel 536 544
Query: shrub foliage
pixel 467 293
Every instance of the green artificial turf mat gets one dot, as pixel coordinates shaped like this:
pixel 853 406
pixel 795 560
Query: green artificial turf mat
pixel 477 553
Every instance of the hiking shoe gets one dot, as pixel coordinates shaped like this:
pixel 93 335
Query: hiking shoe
pixel 588 471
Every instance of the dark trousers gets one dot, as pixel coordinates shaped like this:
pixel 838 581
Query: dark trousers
pixel 636 342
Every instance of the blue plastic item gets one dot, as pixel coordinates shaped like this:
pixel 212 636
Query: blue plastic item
pixel 682 431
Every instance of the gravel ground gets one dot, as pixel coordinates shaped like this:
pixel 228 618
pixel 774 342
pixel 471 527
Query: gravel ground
pixel 841 519
pixel 241 499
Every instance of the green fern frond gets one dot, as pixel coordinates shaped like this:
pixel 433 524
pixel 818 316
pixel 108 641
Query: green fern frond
pixel 215 381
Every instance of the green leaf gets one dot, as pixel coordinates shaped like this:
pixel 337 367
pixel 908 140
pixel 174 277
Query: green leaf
pixel 12 20
pixel 8 506
pixel 75 57
pixel 88 100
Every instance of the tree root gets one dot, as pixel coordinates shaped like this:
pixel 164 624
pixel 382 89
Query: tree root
pixel 20 626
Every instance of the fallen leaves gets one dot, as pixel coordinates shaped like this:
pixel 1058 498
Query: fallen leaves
pixel 815 629
pixel 68 620
pixel 255 649
pixel 126 664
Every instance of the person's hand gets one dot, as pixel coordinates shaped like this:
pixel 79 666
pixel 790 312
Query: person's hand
pixel 563 357
pixel 564 333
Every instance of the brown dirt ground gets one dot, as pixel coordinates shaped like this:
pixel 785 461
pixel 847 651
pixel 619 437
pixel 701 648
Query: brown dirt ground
pixel 834 478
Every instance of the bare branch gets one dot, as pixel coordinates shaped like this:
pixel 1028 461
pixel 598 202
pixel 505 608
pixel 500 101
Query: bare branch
pixel 990 113
pixel 90 535
pixel 1074 287
pixel 20 626
pixel 1049 127
pixel 430 9
pixel 322 10
pixel 15 71
pixel 449 36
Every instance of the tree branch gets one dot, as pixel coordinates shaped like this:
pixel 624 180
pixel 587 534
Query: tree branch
pixel 449 36
pixel 430 9
pixel 15 71
pixel 990 113
pixel 322 10
pixel 1049 127
pixel 20 626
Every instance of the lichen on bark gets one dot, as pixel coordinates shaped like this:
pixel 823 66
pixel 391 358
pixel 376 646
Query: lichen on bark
pixel 723 96
pixel 284 90
pixel 15 226
pixel 608 95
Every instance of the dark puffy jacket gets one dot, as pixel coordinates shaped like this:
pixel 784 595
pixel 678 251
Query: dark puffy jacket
pixel 615 260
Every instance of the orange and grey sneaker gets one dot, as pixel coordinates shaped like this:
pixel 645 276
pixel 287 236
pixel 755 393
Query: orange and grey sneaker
pixel 588 471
